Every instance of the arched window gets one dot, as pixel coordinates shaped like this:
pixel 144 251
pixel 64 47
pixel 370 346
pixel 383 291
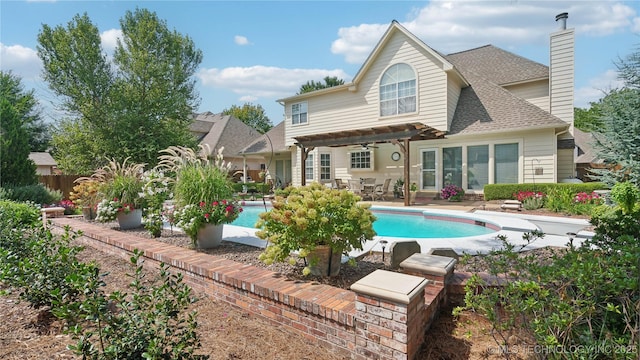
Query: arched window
pixel 398 90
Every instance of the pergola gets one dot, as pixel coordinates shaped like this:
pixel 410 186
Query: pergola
pixel 400 134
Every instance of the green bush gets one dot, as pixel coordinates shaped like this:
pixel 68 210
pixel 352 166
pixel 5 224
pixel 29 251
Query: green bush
pixel 148 324
pixel 583 298
pixel 312 216
pixel 626 195
pixel 32 259
pixel 506 191
pixel 14 215
pixel 38 194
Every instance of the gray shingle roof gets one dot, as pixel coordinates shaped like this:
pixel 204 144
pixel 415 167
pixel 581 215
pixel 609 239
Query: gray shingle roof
pixel 586 152
pixel 223 130
pixel 42 159
pixel 485 106
pixel 498 66
pixel 274 138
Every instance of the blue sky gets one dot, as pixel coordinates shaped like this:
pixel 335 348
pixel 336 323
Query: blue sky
pixel 261 51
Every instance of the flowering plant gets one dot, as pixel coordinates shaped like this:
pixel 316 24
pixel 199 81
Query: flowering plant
pixel 85 193
pixel 530 200
pixel 155 190
pixel 108 210
pixel 452 192
pixel 191 217
pixel 584 198
pixel 312 216
pixel 69 207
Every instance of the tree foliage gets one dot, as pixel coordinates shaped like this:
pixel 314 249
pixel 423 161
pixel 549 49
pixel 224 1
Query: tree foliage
pixel 133 105
pixel 618 139
pixel 18 111
pixel 329 81
pixel 252 115
pixel 588 120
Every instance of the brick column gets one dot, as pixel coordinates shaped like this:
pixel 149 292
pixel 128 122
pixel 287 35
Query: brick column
pixel 389 316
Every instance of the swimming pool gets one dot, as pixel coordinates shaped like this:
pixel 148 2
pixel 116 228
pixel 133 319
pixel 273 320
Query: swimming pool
pixel 402 223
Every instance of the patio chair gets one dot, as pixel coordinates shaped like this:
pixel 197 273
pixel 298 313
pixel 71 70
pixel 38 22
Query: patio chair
pixel 354 186
pixel 382 190
pixel 339 184
pixel 368 188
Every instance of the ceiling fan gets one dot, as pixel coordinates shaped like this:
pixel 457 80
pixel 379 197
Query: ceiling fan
pixel 365 146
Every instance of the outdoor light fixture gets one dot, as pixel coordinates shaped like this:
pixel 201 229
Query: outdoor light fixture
pixel 571 236
pixel 384 244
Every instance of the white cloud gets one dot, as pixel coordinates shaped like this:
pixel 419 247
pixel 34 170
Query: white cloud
pixel 240 40
pixel 636 25
pixel 22 61
pixel 454 26
pixel 110 38
pixel 264 81
pixel 597 88
pixel 248 99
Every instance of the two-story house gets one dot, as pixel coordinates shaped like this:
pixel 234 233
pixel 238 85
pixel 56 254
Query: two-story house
pixel 476 117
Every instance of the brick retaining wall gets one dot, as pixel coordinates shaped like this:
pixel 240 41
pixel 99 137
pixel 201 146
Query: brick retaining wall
pixel 321 313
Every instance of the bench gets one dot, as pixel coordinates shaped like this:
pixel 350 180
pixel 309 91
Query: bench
pixel 53 212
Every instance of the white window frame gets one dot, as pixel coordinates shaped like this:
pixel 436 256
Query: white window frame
pixel 395 91
pixel 371 160
pixel 299 113
pixel 435 170
pixel 309 166
pixel 325 169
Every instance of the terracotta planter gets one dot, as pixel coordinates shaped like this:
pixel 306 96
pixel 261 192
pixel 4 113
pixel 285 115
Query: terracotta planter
pixel 324 262
pixel 132 220
pixel 209 236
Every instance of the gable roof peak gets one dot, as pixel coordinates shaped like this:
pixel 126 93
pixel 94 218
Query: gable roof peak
pixel 393 27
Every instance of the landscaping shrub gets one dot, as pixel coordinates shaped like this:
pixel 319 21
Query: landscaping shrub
pixel 33 260
pixel 148 324
pixel 581 303
pixel 507 191
pixel 15 215
pixel 38 194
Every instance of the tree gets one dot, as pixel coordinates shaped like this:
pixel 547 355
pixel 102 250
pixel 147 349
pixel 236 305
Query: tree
pixel 134 106
pixel 252 115
pixel 588 120
pixel 18 112
pixel 618 140
pixel 329 81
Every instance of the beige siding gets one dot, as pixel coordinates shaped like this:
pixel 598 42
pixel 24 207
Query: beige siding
pixel 539 153
pixel 345 110
pixel 43 170
pixel 566 166
pixel 453 94
pixel 561 75
pixel 536 92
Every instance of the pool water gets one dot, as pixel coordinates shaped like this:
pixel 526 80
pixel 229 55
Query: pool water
pixel 406 225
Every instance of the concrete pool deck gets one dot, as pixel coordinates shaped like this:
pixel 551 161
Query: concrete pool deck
pixel 513 225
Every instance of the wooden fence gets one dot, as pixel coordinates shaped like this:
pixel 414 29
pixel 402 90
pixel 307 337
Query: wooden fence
pixel 64 183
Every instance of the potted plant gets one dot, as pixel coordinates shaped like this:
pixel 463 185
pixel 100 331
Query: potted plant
pixel 156 191
pixel 452 192
pixel 121 193
pixel 398 188
pixel 202 194
pixel 317 222
pixel 413 192
pixel 85 196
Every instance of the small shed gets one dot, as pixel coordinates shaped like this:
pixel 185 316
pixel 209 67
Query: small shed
pixel 44 162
